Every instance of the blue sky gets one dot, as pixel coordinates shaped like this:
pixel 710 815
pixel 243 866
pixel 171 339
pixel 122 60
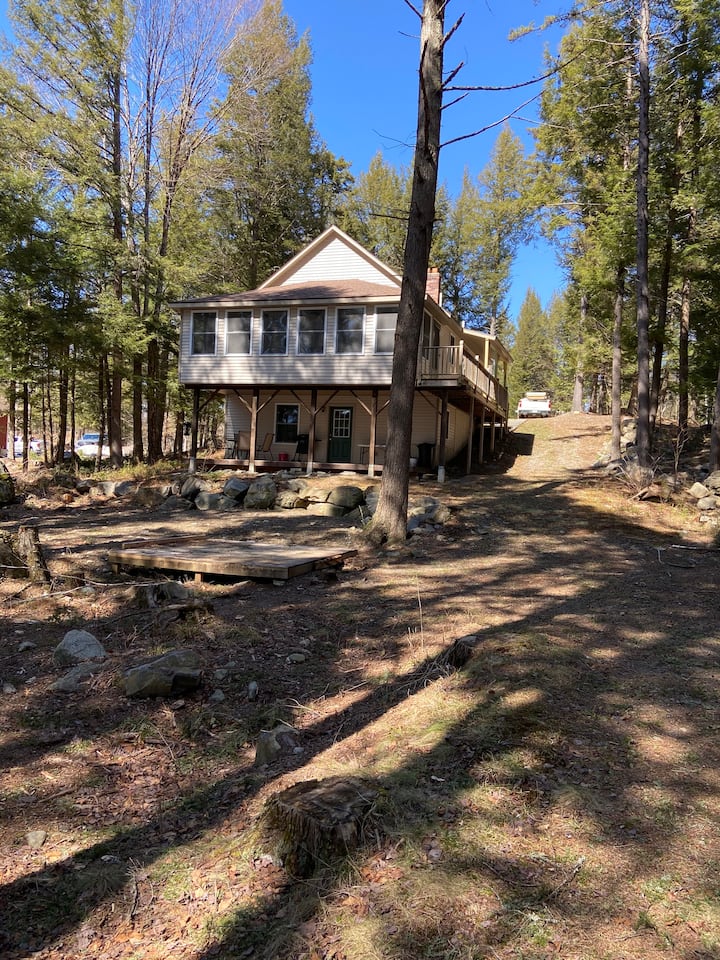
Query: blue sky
pixel 364 99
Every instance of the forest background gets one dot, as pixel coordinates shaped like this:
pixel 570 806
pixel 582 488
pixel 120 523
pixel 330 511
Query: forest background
pixel 167 149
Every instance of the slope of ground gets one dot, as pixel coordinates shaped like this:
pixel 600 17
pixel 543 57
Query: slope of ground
pixel 557 797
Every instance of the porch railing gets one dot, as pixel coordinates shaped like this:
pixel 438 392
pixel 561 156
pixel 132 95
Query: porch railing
pixel 457 363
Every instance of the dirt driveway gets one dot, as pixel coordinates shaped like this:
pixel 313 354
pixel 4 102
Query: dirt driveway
pixel 558 797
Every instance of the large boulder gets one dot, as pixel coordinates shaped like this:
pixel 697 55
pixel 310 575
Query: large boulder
pixel 236 488
pixel 170 675
pixel 261 495
pixel 78 646
pixel 347 497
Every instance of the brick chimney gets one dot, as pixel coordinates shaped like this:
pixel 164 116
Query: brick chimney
pixel 432 284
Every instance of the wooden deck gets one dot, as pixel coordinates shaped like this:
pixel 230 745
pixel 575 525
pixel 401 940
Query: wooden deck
pixel 228 558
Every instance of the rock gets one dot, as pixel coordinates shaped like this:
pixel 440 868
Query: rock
pixel 712 482
pixel 207 501
pixel 699 490
pixel 236 488
pixel 26 645
pixel 217 696
pixel 78 646
pixel 174 673
pixel 149 497
pixel 252 690
pixel 125 487
pixel 290 500
pixel 104 488
pixel 9 688
pixel 271 744
pixel 348 497
pixel 261 495
pixel 226 504
pixel 708 503
pixel 176 503
pixel 192 486
pixel 172 590
pixel 296 658
pixel 326 510
pixel 35 838
pixel 72 681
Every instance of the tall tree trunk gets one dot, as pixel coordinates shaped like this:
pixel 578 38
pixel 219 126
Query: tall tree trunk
pixel 137 408
pixel 659 336
pixel 683 357
pixel 616 407
pixel 390 520
pixel 58 451
pixel 579 382
pixel 116 381
pixel 643 285
pixel 714 462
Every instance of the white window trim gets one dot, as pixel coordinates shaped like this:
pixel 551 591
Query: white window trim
pixel 297 338
pixel 193 314
pixel 248 352
pixel 350 353
pixel 378 310
pixel 287 331
pixel 282 403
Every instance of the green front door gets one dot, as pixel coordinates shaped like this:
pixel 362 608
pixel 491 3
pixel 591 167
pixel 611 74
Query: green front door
pixel 340 435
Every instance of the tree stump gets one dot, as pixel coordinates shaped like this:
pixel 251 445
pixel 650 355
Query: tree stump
pixel 21 556
pixel 319 820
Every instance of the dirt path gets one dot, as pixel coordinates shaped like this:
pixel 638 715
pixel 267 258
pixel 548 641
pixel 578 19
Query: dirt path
pixel 559 797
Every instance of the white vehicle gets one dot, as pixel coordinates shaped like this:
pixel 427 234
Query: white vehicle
pixel 535 404
pixel 34 445
pixel 87 446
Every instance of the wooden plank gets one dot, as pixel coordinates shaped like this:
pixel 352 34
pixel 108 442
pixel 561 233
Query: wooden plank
pixel 236 558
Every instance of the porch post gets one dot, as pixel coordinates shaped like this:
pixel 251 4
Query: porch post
pixel 194 434
pixel 373 434
pixel 471 426
pixel 443 434
pixel 492 435
pixel 311 437
pixel 481 445
pixel 253 429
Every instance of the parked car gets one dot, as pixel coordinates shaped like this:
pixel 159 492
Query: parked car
pixel 35 446
pixel 87 446
pixel 535 404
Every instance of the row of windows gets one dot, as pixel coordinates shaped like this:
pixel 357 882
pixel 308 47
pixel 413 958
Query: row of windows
pixel 311 331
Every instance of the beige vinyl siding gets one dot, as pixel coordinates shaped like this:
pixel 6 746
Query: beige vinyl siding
pixel 338 262
pixel 326 368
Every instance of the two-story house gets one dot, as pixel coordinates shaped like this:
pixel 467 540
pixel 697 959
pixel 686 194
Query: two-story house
pixel 305 363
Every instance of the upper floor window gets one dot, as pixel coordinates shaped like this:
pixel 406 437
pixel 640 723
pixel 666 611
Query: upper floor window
pixel 237 331
pixel 202 332
pixel 350 323
pixel 311 331
pixel 274 332
pixel 386 321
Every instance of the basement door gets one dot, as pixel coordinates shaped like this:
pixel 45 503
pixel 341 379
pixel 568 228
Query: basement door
pixel 340 435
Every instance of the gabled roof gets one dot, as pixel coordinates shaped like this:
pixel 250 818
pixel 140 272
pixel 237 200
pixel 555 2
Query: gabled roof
pixel 299 293
pixel 332 234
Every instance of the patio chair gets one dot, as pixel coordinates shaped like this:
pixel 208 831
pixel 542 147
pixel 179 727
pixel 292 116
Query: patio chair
pixel 266 446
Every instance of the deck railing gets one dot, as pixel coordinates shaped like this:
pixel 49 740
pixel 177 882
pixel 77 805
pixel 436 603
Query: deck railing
pixel 457 363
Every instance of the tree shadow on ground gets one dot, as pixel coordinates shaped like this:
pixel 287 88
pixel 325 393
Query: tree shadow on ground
pixel 550 713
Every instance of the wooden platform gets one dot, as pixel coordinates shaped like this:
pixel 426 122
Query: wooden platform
pixel 228 558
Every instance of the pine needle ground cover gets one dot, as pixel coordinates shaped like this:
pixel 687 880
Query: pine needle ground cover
pixel 556 796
